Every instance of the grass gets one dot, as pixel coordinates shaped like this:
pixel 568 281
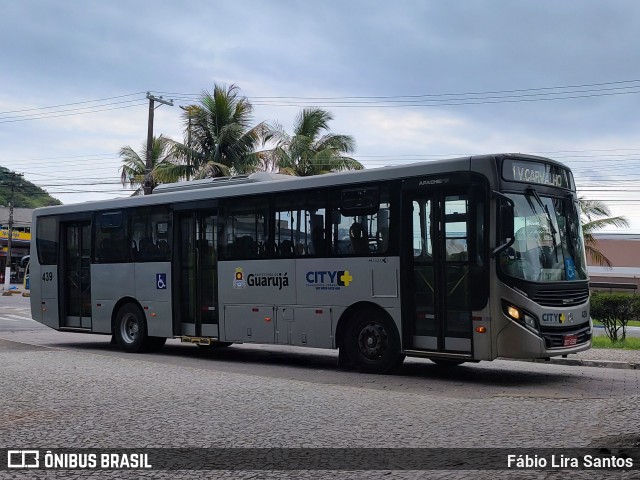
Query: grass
pixel 630 343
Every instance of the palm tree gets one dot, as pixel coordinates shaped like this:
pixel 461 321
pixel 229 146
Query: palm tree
pixel 134 165
pixel 312 149
pixel 596 216
pixel 221 140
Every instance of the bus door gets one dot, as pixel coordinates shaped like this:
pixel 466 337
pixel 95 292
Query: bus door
pixel 76 274
pixel 197 274
pixel 436 313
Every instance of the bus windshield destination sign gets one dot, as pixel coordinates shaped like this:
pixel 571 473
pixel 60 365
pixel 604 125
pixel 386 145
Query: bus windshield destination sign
pixel 534 172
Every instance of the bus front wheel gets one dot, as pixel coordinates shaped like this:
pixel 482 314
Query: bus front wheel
pixel 131 330
pixel 372 342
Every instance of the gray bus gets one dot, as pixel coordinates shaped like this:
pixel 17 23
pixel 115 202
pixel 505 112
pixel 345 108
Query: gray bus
pixel 456 260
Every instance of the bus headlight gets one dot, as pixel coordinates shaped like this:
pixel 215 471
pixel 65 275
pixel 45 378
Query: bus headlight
pixel 520 315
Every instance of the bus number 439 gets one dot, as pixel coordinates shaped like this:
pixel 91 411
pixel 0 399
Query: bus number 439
pixel 47 276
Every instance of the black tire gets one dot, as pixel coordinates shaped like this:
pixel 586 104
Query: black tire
pixel 216 345
pixel 131 329
pixel 372 342
pixel 446 362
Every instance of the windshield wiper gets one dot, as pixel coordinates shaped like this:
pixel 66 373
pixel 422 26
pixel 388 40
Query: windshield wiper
pixel 545 209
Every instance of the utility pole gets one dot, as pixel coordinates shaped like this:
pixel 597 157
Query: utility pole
pixel 7 270
pixel 189 111
pixel 147 186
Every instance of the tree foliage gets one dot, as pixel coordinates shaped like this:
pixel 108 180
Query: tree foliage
pixel 596 216
pixel 614 310
pixel 220 140
pixel 312 149
pixel 134 165
pixel 219 137
pixel 25 193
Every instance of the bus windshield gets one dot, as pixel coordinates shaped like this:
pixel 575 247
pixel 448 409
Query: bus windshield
pixel 548 246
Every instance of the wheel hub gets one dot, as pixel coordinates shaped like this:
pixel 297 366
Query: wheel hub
pixel 130 329
pixel 373 341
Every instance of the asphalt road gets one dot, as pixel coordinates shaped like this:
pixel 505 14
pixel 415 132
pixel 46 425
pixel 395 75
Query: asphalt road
pixel 66 390
pixel 631 331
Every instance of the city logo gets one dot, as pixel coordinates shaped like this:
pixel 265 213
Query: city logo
pixel 556 318
pixel 238 281
pixel 328 280
pixel 278 280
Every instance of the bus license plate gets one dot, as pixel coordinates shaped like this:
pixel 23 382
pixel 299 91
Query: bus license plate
pixel 570 340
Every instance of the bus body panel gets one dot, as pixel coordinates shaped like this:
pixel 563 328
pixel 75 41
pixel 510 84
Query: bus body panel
pixel 271 282
pixel 109 283
pixel 305 326
pixel 481 340
pixel 253 323
pixel 153 290
pixel 44 294
pixel 514 340
pixel 297 302
pixel 345 281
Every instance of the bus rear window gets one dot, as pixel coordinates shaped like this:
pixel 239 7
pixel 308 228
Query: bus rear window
pixel 47 240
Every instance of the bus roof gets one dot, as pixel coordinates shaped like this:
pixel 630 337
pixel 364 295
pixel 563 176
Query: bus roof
pixel 263 182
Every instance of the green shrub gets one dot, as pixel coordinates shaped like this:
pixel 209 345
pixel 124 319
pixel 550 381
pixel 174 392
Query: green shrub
pixel 614 310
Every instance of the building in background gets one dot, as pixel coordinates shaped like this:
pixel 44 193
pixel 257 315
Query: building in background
pixel 20 243
pixel 623 250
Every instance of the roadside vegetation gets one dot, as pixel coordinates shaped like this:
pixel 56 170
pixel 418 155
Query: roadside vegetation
pixel 614 311
pixel 630 343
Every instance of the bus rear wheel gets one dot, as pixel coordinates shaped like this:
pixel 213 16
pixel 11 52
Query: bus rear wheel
pixel 131 330
pixel 372 342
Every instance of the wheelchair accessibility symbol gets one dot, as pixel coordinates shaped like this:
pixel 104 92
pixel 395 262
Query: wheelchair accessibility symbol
pixel 161 281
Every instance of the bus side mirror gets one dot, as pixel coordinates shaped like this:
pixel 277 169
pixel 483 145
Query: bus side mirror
pixel 506 222
pixel 506 235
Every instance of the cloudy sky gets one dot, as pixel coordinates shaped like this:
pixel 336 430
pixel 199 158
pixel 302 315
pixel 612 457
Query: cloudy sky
pixel 410 80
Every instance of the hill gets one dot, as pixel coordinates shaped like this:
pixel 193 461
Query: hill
pixel 25 194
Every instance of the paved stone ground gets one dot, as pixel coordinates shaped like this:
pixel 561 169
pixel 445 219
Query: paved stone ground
pixel 615 355
pixel 69 397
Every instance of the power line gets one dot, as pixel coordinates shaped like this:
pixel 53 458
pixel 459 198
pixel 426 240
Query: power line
pixel 534 94
pixel 491 92
pixel 74 103
pixel 55 115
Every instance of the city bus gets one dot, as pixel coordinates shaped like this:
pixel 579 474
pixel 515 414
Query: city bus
pixel 456 260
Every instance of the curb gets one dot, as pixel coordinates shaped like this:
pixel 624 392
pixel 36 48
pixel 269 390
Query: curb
pixel 588 363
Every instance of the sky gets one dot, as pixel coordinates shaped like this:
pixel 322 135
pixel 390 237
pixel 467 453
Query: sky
pixel 410 80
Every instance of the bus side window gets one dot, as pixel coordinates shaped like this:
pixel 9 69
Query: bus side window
pixel 246 231
pixel 47 240
pixel 112 237
pixel 300 224
pixel 360 220
pixel 150 239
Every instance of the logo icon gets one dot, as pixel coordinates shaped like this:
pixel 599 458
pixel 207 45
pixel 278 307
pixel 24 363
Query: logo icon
pixel 329 280
pixel 161 281
pixel 23 459
pixel 238 281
